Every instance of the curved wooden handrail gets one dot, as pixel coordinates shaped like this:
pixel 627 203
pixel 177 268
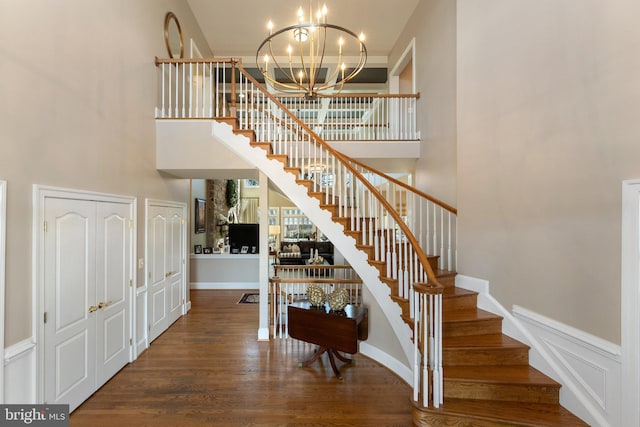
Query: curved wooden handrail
pixel 432 199
pixel 394 214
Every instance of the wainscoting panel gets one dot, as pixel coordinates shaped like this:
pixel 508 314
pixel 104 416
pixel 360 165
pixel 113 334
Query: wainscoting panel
pixel 588 367
pixel 590 363
pixel 20 373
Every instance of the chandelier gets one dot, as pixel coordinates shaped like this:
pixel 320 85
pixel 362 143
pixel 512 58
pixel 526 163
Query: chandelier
pixel 311 56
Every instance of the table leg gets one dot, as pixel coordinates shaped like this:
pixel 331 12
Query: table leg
pixel 336 371
pixel 315 356
pixel 341 357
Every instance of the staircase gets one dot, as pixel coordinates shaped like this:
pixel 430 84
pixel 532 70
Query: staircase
pixel 467 373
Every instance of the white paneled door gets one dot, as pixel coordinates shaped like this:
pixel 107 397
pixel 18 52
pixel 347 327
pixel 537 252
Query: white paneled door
pixel 87 276
pixel 165 261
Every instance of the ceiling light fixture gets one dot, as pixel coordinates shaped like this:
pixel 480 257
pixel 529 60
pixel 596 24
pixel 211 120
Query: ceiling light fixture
pixel 308 47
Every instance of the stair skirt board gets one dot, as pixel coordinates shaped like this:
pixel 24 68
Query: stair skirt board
pixel 286 181
pixel 588 367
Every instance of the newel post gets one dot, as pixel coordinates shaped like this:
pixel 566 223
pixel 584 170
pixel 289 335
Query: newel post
pixel 428 381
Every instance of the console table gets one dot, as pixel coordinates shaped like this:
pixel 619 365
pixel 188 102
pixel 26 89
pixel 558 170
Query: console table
pixel 332 331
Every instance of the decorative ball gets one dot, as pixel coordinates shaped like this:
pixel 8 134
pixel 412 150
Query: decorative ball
pixel 315 295
pixel 338 299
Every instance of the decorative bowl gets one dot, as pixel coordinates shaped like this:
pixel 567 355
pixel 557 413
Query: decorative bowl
pixel 315 295
pixel 338 299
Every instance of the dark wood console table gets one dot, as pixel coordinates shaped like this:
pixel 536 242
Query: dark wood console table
pixel 331 331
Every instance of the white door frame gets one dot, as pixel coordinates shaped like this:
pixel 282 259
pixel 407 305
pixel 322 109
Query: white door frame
pixel 409 54
pixel 630 304
pixel 40 193
pixel 185 270
pixel 3 246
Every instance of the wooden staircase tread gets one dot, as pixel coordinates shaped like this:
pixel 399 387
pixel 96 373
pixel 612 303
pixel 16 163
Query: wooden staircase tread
pixel 482 341
pixel 499 374
pixel 468 315
pixel 444 273
pixel 453 292
pixel 501 413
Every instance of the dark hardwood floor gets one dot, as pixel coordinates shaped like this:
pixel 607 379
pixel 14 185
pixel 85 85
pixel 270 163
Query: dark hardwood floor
pixel 209 369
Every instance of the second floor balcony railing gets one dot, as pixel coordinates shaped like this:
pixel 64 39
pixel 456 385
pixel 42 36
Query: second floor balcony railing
pixel 209 88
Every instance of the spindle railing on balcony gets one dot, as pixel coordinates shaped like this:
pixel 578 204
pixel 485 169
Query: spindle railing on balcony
pixel 189 85
pixel 357 117
pixel 211 88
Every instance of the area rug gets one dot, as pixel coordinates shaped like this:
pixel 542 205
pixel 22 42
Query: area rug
pixel 249 298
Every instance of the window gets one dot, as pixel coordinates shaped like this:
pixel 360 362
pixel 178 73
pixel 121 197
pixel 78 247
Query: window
pixel 296 225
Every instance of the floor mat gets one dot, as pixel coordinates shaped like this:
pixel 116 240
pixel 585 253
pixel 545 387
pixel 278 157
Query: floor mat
pixel 249 298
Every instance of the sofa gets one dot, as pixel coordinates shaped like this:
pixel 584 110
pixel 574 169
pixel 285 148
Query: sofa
pixel 297 252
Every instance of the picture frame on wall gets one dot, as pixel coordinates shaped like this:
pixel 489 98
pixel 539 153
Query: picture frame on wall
pixel 200 215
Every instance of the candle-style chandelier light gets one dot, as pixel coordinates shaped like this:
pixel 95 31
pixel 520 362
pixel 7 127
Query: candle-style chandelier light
pixel 311 57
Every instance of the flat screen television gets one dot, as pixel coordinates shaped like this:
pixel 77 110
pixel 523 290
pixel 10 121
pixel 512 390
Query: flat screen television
pixel 243 238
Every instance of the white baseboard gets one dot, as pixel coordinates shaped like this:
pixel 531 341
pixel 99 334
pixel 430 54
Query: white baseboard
pixel 263 334
pixel 388 361
pixel 588 367
pixel 224 285
pixel 142 342
pixel 20 372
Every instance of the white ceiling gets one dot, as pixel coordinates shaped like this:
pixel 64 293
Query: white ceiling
pixel 236 28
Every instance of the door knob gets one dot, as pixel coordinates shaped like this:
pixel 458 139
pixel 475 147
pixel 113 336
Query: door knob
pixel 105 304
pixel 92 308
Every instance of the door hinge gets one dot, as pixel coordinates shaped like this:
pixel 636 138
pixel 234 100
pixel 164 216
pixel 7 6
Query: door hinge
pixel 45 226
pixel 130 341
pixel 45 317
pixel 183 221
pixel 182 300
pixel 130 282
pixel 130 223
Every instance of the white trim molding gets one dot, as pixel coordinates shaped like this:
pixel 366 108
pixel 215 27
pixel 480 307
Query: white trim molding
pixel 3 246
pixel 141 341
pixel 20 372
pixel 588 367
pixel 630 304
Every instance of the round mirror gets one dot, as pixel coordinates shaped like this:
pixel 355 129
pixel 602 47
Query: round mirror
pixel 173 36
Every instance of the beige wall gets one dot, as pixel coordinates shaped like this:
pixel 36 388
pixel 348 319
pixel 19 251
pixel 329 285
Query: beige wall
pixel 433 26
pixel 78 91
pixel 548 127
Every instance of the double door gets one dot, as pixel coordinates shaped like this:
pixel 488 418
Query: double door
pixel 165 262
pixel 87 274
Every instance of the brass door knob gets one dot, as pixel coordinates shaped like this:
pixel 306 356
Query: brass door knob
pixel 92 308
